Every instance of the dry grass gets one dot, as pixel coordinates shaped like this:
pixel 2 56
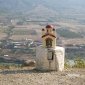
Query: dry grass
pixel 74 41
pixel 21 37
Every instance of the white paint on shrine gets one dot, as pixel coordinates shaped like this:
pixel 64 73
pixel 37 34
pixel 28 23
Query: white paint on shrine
pixel 49 56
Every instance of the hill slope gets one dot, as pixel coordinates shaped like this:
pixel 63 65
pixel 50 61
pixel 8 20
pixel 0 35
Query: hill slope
pixel 24 5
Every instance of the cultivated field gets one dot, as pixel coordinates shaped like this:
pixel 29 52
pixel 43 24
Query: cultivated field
pixel 26 32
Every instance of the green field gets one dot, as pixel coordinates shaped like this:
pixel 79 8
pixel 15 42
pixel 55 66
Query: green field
pixel 68 34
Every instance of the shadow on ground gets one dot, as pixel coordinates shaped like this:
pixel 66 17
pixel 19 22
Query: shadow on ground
pixel 22 71
pixel 9 60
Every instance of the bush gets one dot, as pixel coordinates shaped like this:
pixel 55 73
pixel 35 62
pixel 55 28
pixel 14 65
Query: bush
pixel 66 64
pixel 79 63
pixel 9 65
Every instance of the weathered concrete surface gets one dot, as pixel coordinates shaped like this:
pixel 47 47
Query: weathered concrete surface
pixel 42 62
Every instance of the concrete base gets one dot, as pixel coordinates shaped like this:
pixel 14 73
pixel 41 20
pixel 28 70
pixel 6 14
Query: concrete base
pixel 44 64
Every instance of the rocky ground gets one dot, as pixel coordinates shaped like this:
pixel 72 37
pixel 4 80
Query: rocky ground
pixel 33 77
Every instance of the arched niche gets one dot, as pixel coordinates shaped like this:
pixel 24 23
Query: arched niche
pixel 49 42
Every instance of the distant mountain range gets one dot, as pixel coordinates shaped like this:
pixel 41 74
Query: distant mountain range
pixel 28 5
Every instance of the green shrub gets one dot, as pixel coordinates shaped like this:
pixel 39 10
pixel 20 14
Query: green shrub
pixel 79 63
pixel 9 65
pixel 66 64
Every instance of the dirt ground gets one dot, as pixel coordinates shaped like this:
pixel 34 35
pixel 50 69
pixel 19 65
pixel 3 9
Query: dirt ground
pixel 2 36
pixel 34 77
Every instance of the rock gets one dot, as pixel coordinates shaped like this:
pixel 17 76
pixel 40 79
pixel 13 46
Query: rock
pixel 29 63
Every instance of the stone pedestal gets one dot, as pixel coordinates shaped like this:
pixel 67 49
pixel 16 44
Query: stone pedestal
pixel 50 59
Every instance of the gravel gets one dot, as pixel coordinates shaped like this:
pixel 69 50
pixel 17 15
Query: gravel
pixel 33 77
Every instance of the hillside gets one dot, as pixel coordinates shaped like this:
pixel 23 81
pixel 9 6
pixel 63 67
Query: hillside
pixel 43 9
pixel 26 5
pixel 66 9
pixel 67 14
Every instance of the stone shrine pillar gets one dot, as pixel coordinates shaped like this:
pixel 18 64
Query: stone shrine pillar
pixel 49 56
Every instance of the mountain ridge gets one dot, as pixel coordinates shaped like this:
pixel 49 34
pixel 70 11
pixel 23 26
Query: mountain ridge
pixel 26 5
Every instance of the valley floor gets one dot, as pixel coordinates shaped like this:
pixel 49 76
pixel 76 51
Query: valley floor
pixel 33 77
